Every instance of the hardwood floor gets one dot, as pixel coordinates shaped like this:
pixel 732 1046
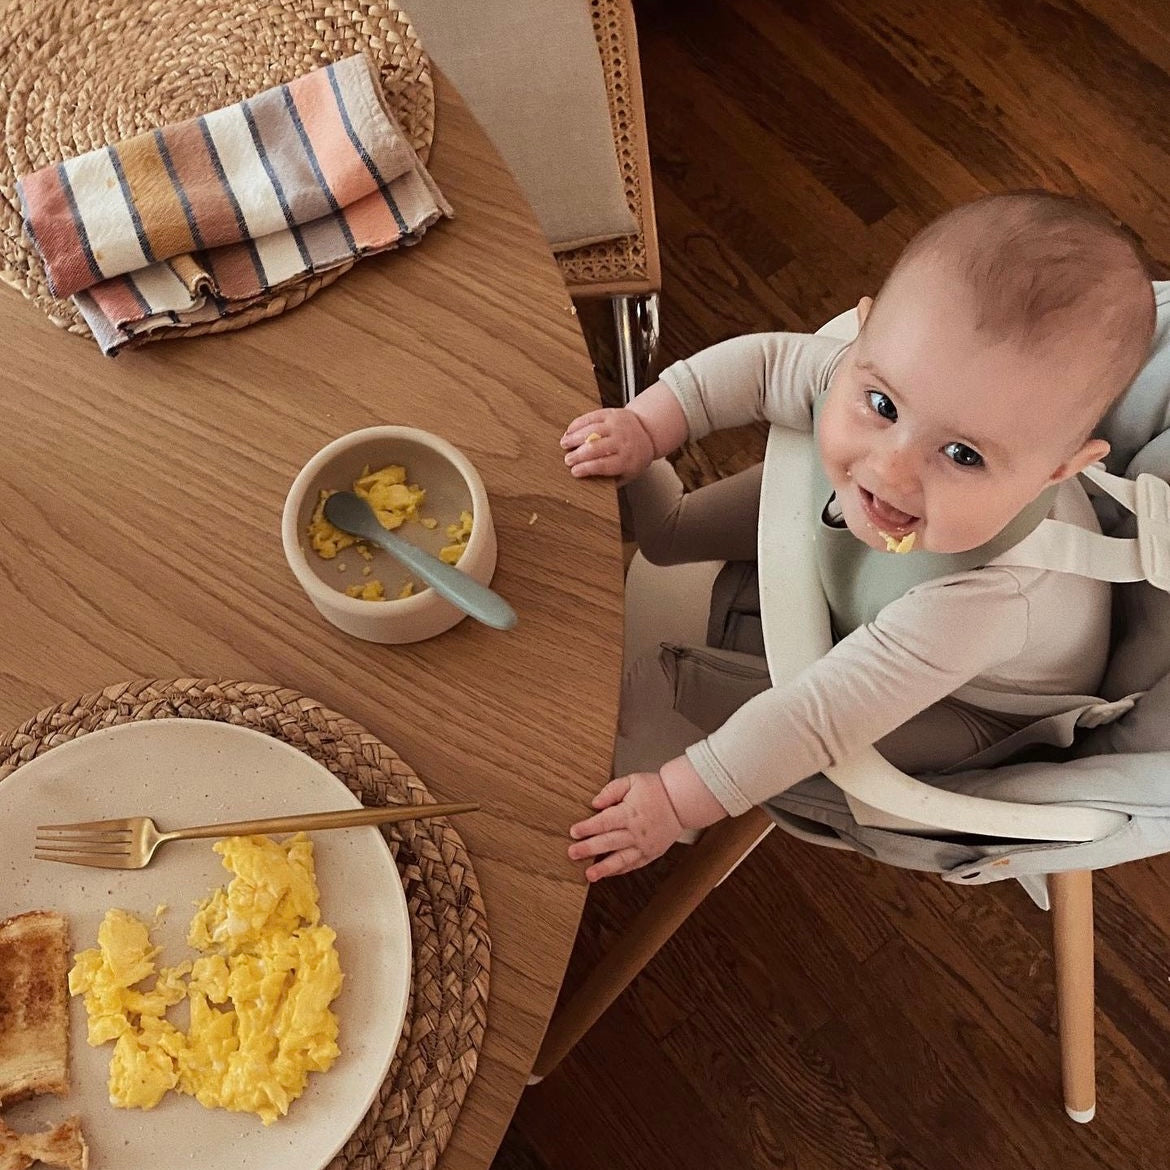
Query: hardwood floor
pixel 821 1011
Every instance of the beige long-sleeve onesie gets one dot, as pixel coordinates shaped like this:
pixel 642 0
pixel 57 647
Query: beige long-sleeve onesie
pixel 973 635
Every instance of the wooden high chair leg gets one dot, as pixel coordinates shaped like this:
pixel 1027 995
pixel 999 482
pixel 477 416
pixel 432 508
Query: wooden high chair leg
pixel 1071 895
pixel 702 868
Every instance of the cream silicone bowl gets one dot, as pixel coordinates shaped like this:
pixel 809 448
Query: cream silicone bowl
pixel 452 485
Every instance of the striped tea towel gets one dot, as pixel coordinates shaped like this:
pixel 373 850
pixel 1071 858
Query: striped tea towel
pixel 208 217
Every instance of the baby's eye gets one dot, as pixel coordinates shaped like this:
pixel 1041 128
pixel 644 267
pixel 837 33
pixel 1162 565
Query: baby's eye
pixel 963 455
pixel 881 404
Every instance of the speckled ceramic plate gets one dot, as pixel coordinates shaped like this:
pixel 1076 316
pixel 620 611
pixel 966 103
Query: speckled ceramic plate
pixel 188 772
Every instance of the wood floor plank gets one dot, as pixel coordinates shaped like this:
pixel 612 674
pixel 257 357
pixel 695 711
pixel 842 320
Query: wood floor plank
pixel 886 1060
pixel 779 1096
pixel 725 48
pixel 1139 24
pixel 852 88
pixel 924 86
pixel 1026 61
pixel 571 1122
pixel 727 149
pixel 979 1033
pixel 868 903
pixel 1112 80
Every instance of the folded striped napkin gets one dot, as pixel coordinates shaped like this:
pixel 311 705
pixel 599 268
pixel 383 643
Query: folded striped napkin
pixel 182 225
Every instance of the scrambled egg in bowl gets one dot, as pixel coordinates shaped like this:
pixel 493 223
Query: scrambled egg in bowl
pixel 259 992
pixel 394 502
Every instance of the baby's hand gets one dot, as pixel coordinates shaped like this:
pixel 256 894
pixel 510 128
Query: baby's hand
pixel 636 824
pixel 611 442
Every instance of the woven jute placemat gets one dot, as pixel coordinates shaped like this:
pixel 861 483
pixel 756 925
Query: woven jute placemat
pixel 79 74
pixel 411 1119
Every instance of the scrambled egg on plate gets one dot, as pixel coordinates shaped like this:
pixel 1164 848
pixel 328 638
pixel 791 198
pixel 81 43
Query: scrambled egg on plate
pixel 259 993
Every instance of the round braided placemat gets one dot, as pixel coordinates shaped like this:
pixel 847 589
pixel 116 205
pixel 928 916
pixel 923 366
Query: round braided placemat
pixel 79 74
pixel 414 1113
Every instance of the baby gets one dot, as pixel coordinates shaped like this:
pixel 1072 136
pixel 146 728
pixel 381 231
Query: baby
pixel 957 420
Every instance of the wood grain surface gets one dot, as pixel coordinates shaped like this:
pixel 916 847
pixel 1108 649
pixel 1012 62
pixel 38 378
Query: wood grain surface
pixel 140 504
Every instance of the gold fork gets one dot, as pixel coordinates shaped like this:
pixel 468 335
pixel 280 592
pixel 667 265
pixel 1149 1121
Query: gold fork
pixel 129 843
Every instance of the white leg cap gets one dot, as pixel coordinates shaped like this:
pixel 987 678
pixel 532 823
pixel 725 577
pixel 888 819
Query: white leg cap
pixel 535 1080
pixel 1081 1115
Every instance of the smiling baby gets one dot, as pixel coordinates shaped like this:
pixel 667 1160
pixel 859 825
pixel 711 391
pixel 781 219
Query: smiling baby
pixel 955 422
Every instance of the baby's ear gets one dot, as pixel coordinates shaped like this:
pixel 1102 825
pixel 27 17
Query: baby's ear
pixel 1094 451
pixel 863 307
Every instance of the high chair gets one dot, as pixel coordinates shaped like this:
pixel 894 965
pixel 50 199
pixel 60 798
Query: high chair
pixel 873 792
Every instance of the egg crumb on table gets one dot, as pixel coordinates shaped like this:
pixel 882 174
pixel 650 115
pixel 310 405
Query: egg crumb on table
pixel 259 992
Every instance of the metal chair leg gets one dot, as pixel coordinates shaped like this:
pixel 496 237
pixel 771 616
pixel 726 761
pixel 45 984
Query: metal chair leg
pixel 1071 895
pixel 635 320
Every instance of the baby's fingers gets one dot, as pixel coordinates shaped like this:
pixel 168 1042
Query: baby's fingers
pixel 585 422
pixel 593 449
pixel 603 822
pixel 621 862
pixel 609 465
pixel 613 793
pixel 572 440
pixel 600 843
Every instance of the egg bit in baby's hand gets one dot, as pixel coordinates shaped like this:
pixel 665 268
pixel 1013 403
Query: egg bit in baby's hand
pixel 259 992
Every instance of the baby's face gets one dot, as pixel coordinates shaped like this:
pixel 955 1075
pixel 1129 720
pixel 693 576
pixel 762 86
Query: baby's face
pixel 932 428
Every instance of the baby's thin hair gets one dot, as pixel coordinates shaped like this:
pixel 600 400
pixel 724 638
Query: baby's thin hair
pixel 1040 265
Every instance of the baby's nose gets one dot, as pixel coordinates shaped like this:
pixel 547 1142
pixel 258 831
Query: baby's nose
pixel 897 467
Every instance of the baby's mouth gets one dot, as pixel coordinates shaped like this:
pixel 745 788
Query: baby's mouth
pixel 885 517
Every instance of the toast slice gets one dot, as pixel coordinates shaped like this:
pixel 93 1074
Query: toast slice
pixel 63 1146
pixel 34 1005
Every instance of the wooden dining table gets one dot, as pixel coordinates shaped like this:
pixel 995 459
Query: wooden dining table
pixel 140 506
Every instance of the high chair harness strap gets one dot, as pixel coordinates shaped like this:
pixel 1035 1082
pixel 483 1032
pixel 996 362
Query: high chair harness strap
pixel 860 581
pixel 1067 548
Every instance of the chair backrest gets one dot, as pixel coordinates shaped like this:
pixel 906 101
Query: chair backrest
pixel 1138 431
pixel 1138 426
pixel 557 87
pixel 630 264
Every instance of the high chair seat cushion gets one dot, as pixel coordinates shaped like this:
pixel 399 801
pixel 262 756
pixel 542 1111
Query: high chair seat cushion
pixel 1138 431
pixel 710 685
pixel 530 72
pixel 734 620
